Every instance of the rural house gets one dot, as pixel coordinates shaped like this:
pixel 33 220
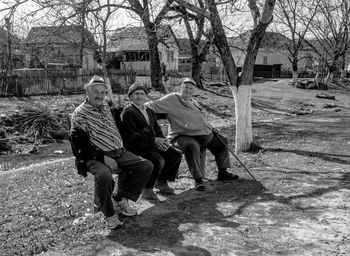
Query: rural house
pixel 128 49
pixel 272 59
pixel 60 46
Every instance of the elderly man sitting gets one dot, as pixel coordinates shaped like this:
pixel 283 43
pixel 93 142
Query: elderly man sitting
pixel 190 131
pixel 144 137
pixel 98 148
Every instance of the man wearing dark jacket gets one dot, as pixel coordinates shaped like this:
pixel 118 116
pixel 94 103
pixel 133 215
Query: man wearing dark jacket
pixel 98 148
pixel 144 137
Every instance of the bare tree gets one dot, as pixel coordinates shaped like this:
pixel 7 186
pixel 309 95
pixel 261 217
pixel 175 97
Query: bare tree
pixel 330 29
pixel 151 21
pixel 290 14
pixel 240 90
pixel 199 39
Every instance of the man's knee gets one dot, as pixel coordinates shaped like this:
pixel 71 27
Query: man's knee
pixel 158 163
pixel 147 167
pixel 190 146
pixel 104 177
pixel 99 170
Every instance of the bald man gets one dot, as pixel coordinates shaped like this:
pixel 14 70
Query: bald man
pixel 190 131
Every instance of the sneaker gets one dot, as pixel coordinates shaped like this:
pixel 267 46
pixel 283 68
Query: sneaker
pixel 164 188
pixel 148 193
pixel 124 208
pixel 199 186
pixel 113 222
pixel 222 176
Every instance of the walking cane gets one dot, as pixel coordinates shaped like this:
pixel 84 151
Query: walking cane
pixel 226 146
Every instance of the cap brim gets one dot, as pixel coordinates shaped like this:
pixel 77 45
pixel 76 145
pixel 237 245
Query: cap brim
pixel 87 85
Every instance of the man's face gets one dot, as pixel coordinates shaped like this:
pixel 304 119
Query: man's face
pixel 96 94
pixel 187 90
pixel 138 97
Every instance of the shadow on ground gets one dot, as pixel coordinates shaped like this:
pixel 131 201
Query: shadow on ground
pixel 162 226
pixel 334 158
pixel 343 183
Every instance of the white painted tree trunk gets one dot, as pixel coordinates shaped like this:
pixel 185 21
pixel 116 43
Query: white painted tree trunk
pixel 295 76
pixel 244 131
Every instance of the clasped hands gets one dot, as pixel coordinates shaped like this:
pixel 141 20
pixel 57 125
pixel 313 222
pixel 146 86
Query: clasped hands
pixel 162 144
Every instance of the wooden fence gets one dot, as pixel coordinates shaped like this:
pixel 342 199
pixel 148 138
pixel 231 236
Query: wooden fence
pixel 51 82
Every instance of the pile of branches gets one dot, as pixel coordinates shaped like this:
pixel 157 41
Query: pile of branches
pixel 37 121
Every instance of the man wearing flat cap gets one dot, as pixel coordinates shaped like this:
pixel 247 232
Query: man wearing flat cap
pixel 144 137
pixel 99 149
pixel 191 132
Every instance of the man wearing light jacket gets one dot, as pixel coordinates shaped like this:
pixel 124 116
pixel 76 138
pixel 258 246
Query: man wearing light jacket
pixel 190 131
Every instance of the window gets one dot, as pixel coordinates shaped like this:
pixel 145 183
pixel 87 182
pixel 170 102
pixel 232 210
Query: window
pixel 137 56
pixel 170 57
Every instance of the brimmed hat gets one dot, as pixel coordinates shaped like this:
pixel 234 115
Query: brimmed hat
pixel 135 87
pixel 96 80
pixel 189 80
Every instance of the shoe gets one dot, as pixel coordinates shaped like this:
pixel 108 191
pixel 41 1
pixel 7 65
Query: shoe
pixel 164 188
pixel 113 222
pixel 222 176
pixel 199 186
pixel 124 208
pixel 148 193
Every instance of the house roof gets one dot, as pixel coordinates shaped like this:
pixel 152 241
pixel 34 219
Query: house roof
pixel 135 38
pixel 271 40
pixel 71 35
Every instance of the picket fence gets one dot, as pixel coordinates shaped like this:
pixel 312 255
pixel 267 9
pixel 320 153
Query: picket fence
pixel 50 82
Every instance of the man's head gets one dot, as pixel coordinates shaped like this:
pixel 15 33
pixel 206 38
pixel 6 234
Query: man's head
pixel 96 91
pixel 188 88
pixel 138 94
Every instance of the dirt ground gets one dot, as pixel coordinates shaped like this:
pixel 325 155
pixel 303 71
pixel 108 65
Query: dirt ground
pixel 299 206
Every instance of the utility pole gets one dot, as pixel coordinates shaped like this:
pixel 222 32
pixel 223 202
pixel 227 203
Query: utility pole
pixel 9 55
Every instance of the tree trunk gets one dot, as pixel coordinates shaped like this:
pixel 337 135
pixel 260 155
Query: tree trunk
pixel 244 131
pixel 295 76
pixel 155 65
pixel 220 40
pixel 295 69
pixel 329 78
pixel 244 134
pixel 196 73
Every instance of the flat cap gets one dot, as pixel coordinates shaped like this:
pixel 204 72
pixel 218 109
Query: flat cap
pixel 189 80
pixel 95 80
pixel 137 86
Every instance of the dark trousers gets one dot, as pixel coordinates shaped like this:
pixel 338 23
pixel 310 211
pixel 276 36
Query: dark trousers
pixel 192 145
pixel 166 164
pixel 135 173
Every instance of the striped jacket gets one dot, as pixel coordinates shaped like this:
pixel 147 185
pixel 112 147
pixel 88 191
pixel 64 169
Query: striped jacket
pixel 84 150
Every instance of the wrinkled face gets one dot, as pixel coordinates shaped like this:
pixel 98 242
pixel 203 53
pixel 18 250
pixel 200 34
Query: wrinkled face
pixel 139 97
pixel 96 94
pixel 187 90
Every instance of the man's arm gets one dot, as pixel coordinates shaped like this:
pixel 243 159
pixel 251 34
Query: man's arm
pixel 162 105
pixel 82 149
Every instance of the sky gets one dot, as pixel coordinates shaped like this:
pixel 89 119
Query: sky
pixel 122 19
